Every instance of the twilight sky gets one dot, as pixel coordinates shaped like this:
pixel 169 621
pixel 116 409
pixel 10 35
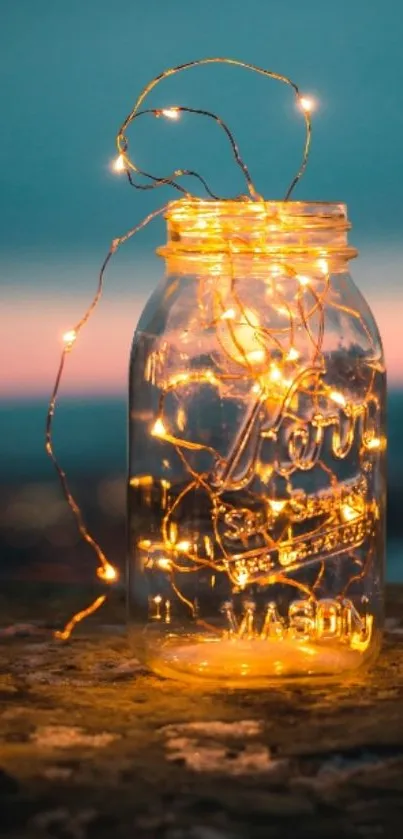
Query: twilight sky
pixel 71 71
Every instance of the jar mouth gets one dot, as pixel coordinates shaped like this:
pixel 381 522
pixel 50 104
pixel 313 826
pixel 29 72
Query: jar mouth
pixel 248 226
pixel 246 207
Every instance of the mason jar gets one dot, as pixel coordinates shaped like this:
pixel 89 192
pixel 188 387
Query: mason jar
pixel 256 496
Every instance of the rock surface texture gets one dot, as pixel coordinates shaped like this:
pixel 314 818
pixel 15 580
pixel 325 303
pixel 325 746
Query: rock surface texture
pixel 92 746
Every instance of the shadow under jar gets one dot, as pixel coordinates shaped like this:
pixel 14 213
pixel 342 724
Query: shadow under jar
pixel 256 498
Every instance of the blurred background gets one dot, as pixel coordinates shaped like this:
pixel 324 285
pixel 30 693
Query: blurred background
pixel 70 73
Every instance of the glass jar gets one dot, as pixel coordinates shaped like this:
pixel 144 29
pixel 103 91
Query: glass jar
pixel 257 436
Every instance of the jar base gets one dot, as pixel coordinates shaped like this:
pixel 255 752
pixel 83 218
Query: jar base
pixel 253 663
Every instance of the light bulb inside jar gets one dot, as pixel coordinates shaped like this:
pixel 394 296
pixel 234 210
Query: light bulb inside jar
pixel 240 335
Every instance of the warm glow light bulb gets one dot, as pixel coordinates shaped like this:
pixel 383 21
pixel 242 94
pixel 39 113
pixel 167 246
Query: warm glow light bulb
pixel 69 337
pixel 118 164
pixel 374 443
pixel 323 265
pixel 164 563
pixel 239 334
pixel 158 429
pixel 307 104
pixel 337 397
pixel 275 373
pixel 242 579
pixel 171 113
pixel 277 505
pixel 183 546
pixel 256 356
pixel 348 513
pixel 107 573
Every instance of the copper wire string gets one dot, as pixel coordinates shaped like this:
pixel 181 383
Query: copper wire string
pixel 170 179
pixel 225 472
pixel 122 142
pixel 106 570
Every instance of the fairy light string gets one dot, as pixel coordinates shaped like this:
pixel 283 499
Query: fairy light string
pixel 64 634
pixel 120 165
pixel 105 571
pixel 305 104
pixel 271 386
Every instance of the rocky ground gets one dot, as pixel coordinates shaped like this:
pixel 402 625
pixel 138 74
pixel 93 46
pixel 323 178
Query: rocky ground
pixel 93 746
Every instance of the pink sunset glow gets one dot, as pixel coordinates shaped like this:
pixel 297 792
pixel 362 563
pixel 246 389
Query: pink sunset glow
pixel 31 340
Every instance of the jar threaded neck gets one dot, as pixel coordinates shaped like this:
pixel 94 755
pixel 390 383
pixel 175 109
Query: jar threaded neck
pixel 258 227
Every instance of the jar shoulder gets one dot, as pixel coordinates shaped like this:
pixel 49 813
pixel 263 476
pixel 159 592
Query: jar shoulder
pixel 269 301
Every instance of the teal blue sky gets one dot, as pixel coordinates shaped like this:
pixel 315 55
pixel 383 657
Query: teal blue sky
pixel 71 70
